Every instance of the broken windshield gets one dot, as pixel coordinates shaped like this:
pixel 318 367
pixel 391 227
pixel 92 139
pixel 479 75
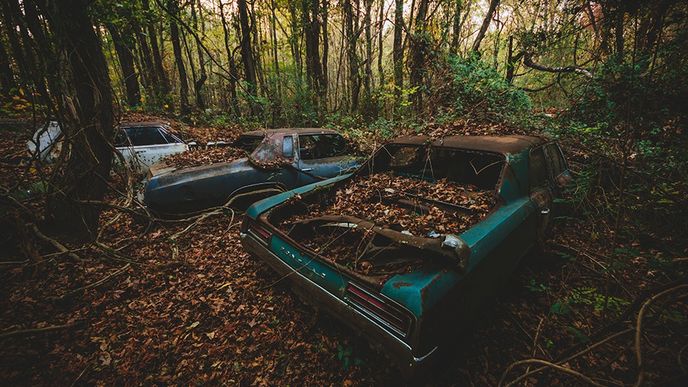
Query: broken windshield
pixel 433 163
pixel 272 151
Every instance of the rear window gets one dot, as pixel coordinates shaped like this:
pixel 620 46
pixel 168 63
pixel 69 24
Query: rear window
pixel 457 165
pixel 141 136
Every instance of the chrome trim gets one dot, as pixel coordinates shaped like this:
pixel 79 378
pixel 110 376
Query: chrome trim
pixel 420 359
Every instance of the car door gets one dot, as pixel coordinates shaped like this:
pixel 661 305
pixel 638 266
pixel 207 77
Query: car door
pixel 322 156
pixel 275 158
pixel 540 191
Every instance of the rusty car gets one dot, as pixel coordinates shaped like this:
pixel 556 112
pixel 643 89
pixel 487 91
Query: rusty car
pixel 284 159
pixel 407 248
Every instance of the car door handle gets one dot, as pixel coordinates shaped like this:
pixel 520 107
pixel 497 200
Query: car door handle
pixel 544 211
pixel 306 169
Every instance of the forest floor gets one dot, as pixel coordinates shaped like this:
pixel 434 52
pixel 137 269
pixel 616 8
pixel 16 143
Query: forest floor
pixel 181 302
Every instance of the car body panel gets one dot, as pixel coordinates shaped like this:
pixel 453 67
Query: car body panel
pixel 267 170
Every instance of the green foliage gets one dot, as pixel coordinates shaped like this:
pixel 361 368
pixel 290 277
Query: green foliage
pixel 591 297
pixel 479 90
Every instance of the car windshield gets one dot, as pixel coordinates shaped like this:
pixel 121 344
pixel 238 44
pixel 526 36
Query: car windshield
pixel 434 163
pixel 247 143
pixel 273 150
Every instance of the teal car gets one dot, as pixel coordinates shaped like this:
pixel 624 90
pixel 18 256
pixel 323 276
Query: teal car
pixel 439 278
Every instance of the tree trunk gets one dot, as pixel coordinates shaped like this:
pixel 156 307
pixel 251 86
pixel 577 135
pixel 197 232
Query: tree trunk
pixel 381 22
pixel 90 130
pixel 6 76
pixel 126 61
pixel 352 37
pixel 309 15
pixel 247 53
pixel 203 76
pixel 369 49
pixel 18 52
pixel 398 50
pixel 326 50
pixel 456 28
pixel 148 72
pixel 233 76
pixel 163 87
pixel 173 7
pixel 294 39
pixel 419 45
pixel 485 25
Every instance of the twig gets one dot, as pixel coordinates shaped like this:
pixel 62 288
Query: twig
pixel 51 328
pixel 97 283
pixel 577 354
pixel 549 364
pixel 639 327
pixel 59 246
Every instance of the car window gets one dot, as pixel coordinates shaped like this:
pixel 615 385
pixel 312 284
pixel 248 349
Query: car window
pixel 140 136
pixel 169 137
pixel 537 168
pixel 320 146
pixel 247 143
pixel 556 159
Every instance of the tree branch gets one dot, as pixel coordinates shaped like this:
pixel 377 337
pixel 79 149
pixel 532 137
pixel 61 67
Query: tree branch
pixel 528 61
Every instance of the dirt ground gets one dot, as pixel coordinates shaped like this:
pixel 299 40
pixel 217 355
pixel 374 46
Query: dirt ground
pixel 180 302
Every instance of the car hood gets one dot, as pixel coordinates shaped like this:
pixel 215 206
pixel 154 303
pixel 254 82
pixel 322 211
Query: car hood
pixel 186 175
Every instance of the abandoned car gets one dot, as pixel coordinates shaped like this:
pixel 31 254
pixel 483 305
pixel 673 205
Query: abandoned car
pixel 285 159
pixel 141 144
pixel 408 247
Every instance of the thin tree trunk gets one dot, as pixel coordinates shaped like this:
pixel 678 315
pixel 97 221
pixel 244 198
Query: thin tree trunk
pixel 326 50
pixel 173 7
pixel 203 76
pixel 456 28
pixel 351 36
pixel 398 50
pixel 381 23
pixel 418 48
pixel 126 61
pixel 485 25
pixel 369 48
pixel 6 75
pixel 309 14
pixel 163 87
pixel 247 53
pixel 233 75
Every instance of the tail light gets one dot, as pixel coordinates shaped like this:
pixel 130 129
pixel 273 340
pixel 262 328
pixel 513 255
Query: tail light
pixel 257 231
pixel 383 312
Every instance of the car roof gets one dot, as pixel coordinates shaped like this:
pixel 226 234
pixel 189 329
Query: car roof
pixel 300 131
pixel 497 144
pixel 144 124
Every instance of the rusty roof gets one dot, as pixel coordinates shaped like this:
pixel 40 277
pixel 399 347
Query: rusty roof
pixel 497 144
pixel 300 131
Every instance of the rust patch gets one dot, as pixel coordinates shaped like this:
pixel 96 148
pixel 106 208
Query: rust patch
pixel 401 284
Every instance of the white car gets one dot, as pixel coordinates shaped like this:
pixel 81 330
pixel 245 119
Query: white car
pixel 141 144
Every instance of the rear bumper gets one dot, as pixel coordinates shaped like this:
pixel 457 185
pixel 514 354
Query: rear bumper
pixel 314 294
